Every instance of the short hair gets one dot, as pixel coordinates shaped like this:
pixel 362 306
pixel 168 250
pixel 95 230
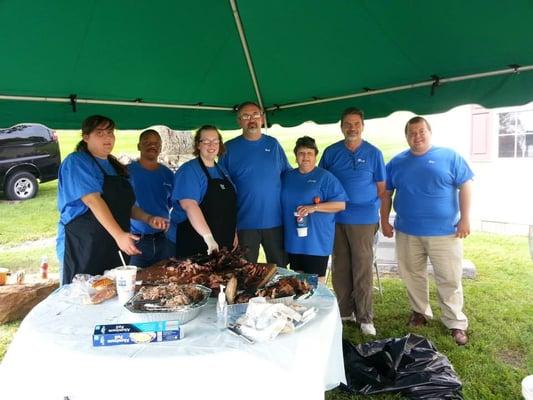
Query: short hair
pixel 148 132
pixel 198 136
pixel 416 120
pixel 307 142
pixel 352 111
pixel 247 103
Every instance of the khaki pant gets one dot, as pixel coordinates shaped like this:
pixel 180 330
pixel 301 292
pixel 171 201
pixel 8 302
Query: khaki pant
pixel 446 255
pixel 352 269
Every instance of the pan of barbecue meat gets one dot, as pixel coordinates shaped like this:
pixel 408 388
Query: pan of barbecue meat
pixel 168 302
pixel 286 289
pixel 211 271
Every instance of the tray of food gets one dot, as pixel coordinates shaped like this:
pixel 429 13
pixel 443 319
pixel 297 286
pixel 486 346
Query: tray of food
pixel 172 301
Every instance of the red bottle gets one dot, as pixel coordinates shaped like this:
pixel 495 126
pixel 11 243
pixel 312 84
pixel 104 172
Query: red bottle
pixel 43 269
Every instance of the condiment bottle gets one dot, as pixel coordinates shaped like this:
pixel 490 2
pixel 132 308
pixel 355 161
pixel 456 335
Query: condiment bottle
pixel 43 269
pixel 222 309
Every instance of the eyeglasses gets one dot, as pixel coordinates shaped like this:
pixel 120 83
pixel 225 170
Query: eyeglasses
pixel 208 142
pixel 246 117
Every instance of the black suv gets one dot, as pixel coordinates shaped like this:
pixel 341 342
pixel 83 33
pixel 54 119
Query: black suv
pixel 28 152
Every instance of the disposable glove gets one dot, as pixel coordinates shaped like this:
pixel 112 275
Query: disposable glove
pixel 212 245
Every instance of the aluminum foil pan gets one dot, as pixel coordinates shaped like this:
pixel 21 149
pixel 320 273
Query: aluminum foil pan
pixel 148 311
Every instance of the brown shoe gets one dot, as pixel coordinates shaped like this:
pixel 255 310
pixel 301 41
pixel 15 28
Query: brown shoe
pixel 460 336
pixel 417 320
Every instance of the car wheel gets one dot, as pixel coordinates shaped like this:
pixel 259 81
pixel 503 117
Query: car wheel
pixel 21 186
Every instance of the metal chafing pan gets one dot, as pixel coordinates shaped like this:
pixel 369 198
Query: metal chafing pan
pixel 150 310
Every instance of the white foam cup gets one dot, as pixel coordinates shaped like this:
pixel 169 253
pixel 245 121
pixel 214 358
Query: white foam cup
pixel 125 278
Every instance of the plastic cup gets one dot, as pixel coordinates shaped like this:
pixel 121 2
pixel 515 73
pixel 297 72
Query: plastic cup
pixel 125 278
pixel 301 225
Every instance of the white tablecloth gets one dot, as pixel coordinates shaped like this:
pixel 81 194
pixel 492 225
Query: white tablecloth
pixel 52 356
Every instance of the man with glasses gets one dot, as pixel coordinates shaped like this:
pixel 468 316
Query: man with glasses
pixel 152 183
pixel 431 187
pixel 361 169
pixel 255 163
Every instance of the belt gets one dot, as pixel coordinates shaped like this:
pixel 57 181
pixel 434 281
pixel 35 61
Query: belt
pixel 150 235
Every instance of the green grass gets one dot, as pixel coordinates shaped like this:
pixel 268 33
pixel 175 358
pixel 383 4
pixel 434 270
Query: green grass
pixel 499 304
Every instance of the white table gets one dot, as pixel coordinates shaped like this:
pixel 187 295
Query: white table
pixel 52 356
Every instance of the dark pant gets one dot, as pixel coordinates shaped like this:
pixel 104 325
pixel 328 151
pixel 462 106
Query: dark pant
pixel 352 269
pixel 309 264
pixel 154 248
pixel 271 240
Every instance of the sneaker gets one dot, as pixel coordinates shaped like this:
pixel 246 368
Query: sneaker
pixel 350 318
pixel 368 329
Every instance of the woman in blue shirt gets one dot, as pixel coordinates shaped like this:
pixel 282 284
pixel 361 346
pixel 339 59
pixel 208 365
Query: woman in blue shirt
pixel 96 202
pixel 204 200
pixel 313 192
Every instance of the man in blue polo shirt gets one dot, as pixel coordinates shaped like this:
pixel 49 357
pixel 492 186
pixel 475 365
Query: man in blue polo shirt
pixel 432 190
pixel 361 169
pixel 255 163
pixel 152 183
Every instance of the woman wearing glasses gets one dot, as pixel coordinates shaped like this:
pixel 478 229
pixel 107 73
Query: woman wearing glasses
pixel 204 212
pixel 312 192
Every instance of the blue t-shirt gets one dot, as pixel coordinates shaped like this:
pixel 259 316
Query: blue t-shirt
pixel 300 189
pixel 190 182
pixel 426 196
pixel 152 192
pixel 78 176
pixel 255 168
pixel 358 171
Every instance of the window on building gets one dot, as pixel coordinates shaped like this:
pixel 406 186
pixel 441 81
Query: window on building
pixel 515 134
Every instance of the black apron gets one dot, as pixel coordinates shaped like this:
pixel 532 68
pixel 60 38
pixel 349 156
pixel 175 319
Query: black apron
pixel 89 248
pixel 219 207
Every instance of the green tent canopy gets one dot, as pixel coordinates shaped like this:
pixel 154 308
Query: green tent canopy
pixel 188 63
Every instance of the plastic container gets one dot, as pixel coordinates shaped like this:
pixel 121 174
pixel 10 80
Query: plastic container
pixel 222 309
pixel 43 268
pixel 527 387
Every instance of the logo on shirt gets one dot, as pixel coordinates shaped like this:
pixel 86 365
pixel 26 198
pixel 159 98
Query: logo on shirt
pixel 360 160
pixel 266 149
pixel 431 161
pixel 311 181
pixel 167 184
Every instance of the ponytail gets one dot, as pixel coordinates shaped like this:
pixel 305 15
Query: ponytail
pixel 89 125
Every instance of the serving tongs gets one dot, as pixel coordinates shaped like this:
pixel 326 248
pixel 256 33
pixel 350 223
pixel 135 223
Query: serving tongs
pixel 236 330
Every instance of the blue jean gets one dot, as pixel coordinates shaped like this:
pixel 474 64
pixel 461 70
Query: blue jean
pixel 154 248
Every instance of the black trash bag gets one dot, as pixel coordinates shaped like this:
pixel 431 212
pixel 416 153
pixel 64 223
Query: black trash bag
pixel 410 365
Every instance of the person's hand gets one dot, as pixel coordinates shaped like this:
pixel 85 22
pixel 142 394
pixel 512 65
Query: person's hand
pixel 212 245
pixel 387 229
pixel 158 223
pixel 304 211
pixel 235 242
pixel 463 228
pixel 126 243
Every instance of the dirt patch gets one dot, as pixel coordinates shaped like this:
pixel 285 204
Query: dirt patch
pixel 511 357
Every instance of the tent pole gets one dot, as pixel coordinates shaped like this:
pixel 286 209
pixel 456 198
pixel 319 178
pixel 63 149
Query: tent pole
pixel 247 55
pixel 513 70
pixel 114 103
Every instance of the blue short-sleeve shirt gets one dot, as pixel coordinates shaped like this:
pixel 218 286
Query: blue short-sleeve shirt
pixel 359 171
pixel 152 192
pixel 78 176
pixel 301 189
pixel 255 167
pixel 426 198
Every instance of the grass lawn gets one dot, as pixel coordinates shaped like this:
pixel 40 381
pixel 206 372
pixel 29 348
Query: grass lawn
pixel 499 304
